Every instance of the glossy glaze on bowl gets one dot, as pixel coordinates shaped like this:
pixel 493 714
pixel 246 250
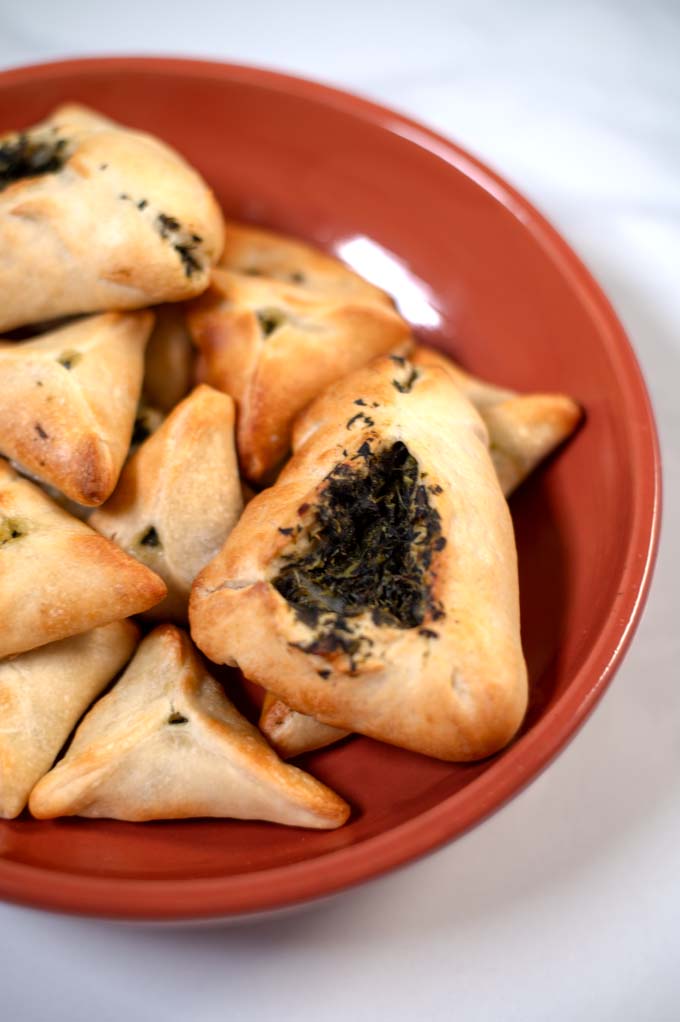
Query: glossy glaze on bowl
pixel 480 273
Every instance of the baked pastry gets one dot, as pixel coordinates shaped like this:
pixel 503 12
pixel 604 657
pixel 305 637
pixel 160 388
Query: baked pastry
pixel 256 252
pixel 374 586
pixel 68 400
pixel 169 366
pixel 94 215
pixel 43 695
pixel 291 733
pixel 179 496
pixel 166 743
pixel 275 342
pixel 58 577
pixel 523 428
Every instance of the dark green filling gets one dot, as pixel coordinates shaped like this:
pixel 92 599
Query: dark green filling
pixel 189 261
pixel 69 358
pixel 23 157
pixel 150 537
pixel 140 432
pixel 405 386
pixel 10 529
pixel 369 548
pixel 185 245
pixel 270 320
pixel 167 225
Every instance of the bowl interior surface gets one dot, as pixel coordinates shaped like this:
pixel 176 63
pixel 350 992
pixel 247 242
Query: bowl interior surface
pixel 479 274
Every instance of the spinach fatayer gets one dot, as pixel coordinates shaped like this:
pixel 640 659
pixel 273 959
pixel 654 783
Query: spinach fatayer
pixel 392 607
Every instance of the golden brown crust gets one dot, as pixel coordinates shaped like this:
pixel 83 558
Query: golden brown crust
pixel 183 484
pixel 115 227
pixel 459 694
pixel 274 344
pixel 523 428
pixel 291 733
pixel 254 251
pixel 68 400
pixel 57 576
pixel 166 743
pixel 43 694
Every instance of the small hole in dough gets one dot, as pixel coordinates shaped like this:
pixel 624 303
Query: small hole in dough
pixel 270 320
pixel 149 538
pixel 177 718
pixel 68 359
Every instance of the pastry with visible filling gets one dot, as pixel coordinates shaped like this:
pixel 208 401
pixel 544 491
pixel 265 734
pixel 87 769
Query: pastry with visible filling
pixel 166 743
pixel 379 573
pixel 179 496
pixel 523 430
pixel 68 401
pixel 274 330
pixel 95 215
pixel 58 577
pixel 43 695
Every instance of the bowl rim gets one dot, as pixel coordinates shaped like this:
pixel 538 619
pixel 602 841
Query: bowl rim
pixel 283 886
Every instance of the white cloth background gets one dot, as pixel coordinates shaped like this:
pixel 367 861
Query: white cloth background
pixel 566 904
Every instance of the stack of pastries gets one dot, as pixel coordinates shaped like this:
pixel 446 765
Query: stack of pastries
pixel 215 436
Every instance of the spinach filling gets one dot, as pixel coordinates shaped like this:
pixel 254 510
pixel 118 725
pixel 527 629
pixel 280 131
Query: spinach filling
pixel 10 529
pixel 68 359
pixel 24 156
pixel 270 320
pixel 150 538
pixel 185 244
pixel 368 548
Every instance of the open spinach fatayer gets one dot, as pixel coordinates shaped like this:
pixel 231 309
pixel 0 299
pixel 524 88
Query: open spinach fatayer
pixel 375 585
pixel 523 430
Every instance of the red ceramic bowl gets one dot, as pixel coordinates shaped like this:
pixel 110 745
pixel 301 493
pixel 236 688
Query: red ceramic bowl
pixel 480 273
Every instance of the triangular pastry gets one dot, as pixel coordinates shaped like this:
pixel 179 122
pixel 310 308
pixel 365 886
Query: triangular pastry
pixel 43 695
pixel 257 252
pixel 169 365
pixel 58 577
pixel 274 343
pixel 166 743
pixel 179 496
pixel 374 586
pixel 94 215
pixel 68 401
pixel 523 428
